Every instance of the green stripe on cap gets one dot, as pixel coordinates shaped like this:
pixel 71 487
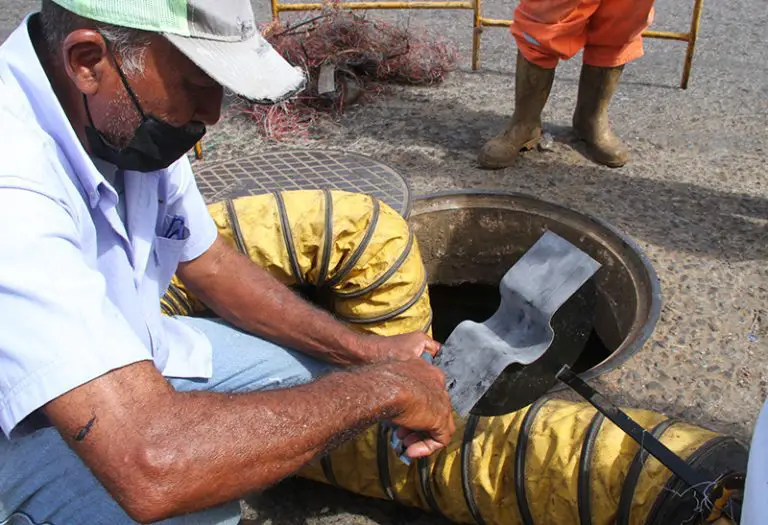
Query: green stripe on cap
pixel 158 16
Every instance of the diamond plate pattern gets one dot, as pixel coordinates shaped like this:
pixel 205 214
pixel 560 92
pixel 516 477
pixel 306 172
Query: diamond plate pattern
pixel 304 169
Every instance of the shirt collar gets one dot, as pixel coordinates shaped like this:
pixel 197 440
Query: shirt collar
pixel 18 55
pixel 107 170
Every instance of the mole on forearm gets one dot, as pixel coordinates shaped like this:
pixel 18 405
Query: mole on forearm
pixel 84 431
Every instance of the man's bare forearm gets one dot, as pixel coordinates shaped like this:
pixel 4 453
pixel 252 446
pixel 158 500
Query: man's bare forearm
pixel 189 451
pixel 247 296
pixel 274 433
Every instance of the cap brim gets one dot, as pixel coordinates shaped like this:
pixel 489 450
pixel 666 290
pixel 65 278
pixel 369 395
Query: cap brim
pixel 251 68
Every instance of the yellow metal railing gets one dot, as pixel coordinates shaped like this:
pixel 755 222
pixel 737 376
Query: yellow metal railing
pixel 689 37
pixel 481 22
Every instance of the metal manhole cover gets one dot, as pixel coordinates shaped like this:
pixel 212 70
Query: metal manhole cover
pixel 303 170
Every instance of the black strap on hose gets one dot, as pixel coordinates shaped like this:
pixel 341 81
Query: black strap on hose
pixel 389 315
pixel 344 270
pixel 584 496
pixel 633 475
pixel 520 456
pixel 288 238
pixel 327 239
pixel 466 468
pixel 426 485
pixel 382 461
pixel 693 479
pixel 386 275
pixel 327 466
pixel 235 223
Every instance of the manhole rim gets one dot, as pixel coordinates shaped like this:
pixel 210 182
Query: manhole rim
pixel 627 349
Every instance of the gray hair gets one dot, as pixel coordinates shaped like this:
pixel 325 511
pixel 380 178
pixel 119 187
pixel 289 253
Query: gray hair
pixel 129 44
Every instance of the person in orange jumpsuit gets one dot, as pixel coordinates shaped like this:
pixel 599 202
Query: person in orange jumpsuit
pixel 547 31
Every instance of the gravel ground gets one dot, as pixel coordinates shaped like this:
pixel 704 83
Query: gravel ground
pixel 694 196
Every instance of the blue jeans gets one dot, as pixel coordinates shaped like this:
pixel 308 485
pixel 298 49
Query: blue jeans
pixel 43 482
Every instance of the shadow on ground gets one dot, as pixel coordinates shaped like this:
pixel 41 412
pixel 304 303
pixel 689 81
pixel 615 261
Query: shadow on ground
pixel 298 502
pixel 681 216
pixel 677 215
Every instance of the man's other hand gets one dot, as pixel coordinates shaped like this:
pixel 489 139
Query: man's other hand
pixel 401 347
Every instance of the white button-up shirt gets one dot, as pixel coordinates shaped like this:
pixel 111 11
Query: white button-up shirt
pixel 79 292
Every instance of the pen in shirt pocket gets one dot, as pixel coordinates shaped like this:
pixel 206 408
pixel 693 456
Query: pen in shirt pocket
pixel 176 228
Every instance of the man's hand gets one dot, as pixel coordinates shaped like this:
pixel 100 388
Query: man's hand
pixel 400 347
pixel 426 416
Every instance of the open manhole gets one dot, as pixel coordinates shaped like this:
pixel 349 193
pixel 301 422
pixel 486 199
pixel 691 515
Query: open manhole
pixel 470 240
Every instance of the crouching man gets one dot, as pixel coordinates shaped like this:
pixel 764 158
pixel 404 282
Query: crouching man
pixel 113 413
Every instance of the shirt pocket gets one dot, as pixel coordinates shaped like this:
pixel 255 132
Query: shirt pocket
pixel 166 254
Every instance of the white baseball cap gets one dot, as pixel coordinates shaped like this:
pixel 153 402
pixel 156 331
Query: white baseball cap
pixel 220 36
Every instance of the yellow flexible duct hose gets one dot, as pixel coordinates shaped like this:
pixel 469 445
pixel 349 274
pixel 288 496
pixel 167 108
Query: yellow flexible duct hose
pixel 563 480
pixel 357 249
pixel 555 462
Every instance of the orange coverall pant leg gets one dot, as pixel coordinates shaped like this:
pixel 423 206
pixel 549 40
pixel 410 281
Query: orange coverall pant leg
pixel 609 31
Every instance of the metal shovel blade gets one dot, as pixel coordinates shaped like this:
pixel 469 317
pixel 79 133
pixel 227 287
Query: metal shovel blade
pixel 532 291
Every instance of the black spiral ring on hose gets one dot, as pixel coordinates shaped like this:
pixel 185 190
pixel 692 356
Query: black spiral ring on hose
pixel 167 310
pixel 585 462
pixel 344 270
pixel 387 274
pixel 382 461
pixel 327 240
pixel 288 238
pixel 426 485
pixel 466 468
pixel 391 314
pixel 520 457
pixel 177 303
pixel 633 475
pixel 327 466
pixel 237 232
pixel 428 324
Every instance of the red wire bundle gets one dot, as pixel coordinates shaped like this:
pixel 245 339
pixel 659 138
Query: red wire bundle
pixel 364 54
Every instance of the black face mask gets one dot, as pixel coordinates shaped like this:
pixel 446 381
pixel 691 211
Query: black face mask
pixel 155 144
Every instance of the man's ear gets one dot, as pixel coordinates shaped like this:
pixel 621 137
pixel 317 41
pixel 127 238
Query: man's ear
pixel 86 59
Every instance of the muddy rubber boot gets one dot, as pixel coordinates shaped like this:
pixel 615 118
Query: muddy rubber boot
pixel 590 120
pixel 532 86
